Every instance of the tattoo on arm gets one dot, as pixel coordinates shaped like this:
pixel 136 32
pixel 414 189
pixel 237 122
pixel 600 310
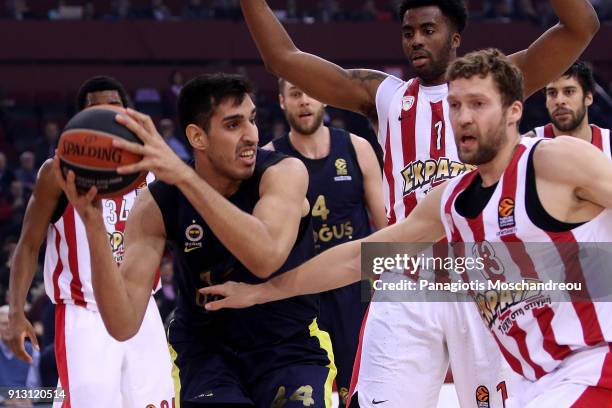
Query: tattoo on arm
pixel 363 75
pixel 370 80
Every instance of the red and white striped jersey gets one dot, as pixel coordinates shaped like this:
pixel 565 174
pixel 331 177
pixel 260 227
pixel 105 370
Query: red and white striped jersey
pixel 417 139
pixel 601 137
pixel 67 270
pixel 534 334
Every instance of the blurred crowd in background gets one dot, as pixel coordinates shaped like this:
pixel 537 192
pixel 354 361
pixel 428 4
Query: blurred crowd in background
pixel 29 132
pixel 538 11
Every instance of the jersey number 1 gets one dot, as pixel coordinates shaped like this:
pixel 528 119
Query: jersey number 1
pixel 438 126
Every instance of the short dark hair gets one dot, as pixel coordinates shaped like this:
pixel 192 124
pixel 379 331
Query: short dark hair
pixel 282 82
pixel 583 74
pixel 454 10
pixel 491 61
pixel 200 97
pixel 97 84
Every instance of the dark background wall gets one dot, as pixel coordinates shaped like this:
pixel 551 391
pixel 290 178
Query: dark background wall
pixel 49 56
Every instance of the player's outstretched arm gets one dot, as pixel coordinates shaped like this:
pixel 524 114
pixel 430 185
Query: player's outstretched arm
pixel 592 182
pixel 121 294
pixel 37 217
pixel 372 180
pixel 422 225
pixel 325 81
pixel 555 51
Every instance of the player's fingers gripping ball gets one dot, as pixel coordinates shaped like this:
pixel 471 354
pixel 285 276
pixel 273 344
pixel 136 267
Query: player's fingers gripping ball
pixel 86 148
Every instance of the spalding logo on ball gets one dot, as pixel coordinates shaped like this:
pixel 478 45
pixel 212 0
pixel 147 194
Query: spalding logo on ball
pixel 86 148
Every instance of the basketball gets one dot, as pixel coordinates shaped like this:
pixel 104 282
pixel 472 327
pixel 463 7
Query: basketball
pixel 86 147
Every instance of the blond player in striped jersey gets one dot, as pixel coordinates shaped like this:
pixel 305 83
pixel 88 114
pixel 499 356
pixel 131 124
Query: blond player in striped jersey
pixel 568 99
pixel 94 369
pixel 561 350
pixel 412 121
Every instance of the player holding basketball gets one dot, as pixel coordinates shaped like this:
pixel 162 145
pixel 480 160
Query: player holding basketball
pixel 567 100
pixel 94 369
pixel 414 131
pixel 344 183
pixel 238 213
pixel 561 349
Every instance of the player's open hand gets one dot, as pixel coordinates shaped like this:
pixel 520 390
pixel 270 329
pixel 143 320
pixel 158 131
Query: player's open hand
pixel 19 328
pixel 158 157
pixel 235 295
pixel 86 205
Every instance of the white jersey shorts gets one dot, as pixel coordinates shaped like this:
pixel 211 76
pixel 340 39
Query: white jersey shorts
pixel 406 349
pixel 95 370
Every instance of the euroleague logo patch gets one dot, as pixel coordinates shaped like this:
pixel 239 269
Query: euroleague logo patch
pixel 505 216
pixel 341 170
pixel 482 397
pixel 341 167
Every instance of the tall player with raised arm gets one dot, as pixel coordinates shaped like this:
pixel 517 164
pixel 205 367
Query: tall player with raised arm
pixel 412 121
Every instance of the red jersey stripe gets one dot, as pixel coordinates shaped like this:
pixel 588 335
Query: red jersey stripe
pixel 59 266
pixel 408 119
pixel 76 288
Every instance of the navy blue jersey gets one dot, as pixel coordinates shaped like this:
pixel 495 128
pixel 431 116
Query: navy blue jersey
pixel 338 209
pixel 335 191
pixel 202 260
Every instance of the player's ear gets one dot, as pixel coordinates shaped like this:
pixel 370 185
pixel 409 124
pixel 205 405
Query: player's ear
pixel 455 40
pixel 196 137
pixel 281 101
pixel 588 99
pixel 515 112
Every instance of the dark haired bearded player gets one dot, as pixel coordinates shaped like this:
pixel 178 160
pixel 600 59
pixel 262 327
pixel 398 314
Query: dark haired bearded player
pixel 568 99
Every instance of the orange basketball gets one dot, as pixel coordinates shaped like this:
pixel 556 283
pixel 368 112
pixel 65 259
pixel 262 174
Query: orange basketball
pixel 86 147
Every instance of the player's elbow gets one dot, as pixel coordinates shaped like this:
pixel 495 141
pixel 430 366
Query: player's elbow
pixel 25 249
pixel 591 26
pixel 278 63
pixel 269 65
pixel 595 25
pixel 264 269
pixel 588 26
pixel 119 329
pixel 122 334
pixel 265 266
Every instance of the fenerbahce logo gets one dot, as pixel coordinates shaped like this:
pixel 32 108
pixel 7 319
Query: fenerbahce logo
pixel 194 234
pixel 421 173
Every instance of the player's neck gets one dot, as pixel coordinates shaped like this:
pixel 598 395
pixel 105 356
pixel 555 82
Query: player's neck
pixel 223 185
pixel 314 146
pixel 492 171
pixel 441 80
pixel 583 131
